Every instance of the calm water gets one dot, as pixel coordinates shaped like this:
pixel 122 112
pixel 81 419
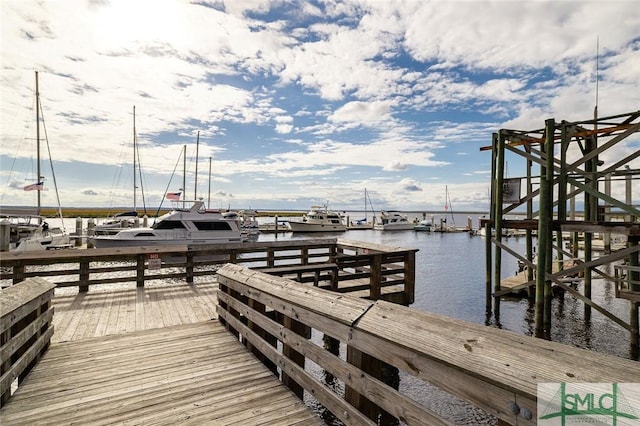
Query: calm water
pixel 450 274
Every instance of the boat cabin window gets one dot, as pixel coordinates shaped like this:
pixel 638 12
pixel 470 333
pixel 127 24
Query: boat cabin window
pixel 212 226
pixel 145 234
pixel 169 224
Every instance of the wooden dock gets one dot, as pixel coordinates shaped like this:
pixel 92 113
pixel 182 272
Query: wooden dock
pixel 149 355
pixel 158 355
pixel 118 309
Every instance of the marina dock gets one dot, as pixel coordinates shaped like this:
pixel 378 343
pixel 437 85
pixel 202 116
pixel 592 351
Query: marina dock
pixel 168 339
pixel 241 346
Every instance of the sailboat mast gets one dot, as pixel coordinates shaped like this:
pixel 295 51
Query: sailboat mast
pixel 135 186
pixel 38 139
pixel 365 205
pixel 209 191
pixel 184 173
pixel 195 190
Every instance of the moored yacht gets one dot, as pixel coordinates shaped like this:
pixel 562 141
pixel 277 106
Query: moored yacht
pixel 423 226
pixel 393 221
pixel 31 232
pixel 191 227
pixel 319 219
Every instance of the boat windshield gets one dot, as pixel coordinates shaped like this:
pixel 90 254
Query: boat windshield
pixel 168 224
pixel 212 226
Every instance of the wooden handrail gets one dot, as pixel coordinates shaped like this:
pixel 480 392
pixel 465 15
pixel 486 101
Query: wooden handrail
pixel 25 330
pixel 85 268
pixel 493 369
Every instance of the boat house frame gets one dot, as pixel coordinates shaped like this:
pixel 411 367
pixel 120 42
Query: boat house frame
pixel 569 194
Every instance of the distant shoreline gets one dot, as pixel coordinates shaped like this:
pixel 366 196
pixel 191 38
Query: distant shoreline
pixel 101 212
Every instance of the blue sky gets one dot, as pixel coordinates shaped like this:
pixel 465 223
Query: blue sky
pixel 298 102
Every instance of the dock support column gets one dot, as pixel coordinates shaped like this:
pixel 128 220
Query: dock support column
pixel 634 322
pixel 488 229
pixel 91 224
pixel 634 277
pixel 500 163
pixel 531 293
pixel 545 232
pixel 78 240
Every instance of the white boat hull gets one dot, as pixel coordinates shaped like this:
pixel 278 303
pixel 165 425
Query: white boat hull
pixel 393 226
pixel 187 227
pixel 110 241
pixel 316 227
pixel 319 219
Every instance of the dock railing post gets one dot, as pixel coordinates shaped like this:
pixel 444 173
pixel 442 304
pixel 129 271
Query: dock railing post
pixel 262 333
pixel 375 278
pixel 18 273
pixel 409 277
pixel 140 259
pixel 189 267
pixel 84 276
pixel 295 356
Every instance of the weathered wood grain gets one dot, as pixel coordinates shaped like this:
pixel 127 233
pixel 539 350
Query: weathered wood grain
pixel 185 374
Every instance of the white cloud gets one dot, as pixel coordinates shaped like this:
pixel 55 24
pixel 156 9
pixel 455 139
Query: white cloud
pixel 374 86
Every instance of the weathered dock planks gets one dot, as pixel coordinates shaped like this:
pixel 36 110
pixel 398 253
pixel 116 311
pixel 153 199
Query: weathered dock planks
pixel 185 374
pixel 108 310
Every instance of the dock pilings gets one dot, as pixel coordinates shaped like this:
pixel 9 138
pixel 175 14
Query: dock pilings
pixel 566 183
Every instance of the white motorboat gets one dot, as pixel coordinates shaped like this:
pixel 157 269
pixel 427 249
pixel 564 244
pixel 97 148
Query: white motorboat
pixel 319 219
pixel 393 221
pixel 275 226
pixel 246 220
pixel 191 227
pixel 116 223
pixel 423 226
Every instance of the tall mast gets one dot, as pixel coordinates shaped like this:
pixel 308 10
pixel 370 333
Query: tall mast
pixel 209 192
pixel 184 174
pixel 365 205
pixel 195 190
pixel 135 186
pixel 38 138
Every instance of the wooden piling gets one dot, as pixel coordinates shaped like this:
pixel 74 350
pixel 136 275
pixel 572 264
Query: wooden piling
pixel 544 228
pixel 500 163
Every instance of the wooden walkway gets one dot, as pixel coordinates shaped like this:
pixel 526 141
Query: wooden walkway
pixel 151 355
pixel 121 308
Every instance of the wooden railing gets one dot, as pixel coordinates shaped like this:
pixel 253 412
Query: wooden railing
pixel 25 330
pixel 374 271
pixel 495 370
